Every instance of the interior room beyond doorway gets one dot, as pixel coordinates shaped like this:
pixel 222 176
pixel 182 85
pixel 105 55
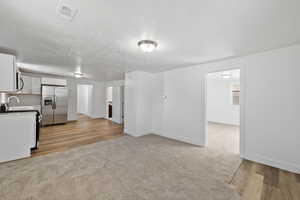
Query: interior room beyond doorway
pixel 109 100
pixel 223 110
pixel 115 103
pixel 84 100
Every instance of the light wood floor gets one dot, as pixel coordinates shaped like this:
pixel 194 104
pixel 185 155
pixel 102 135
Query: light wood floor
pixel 253 181
pixel 73 134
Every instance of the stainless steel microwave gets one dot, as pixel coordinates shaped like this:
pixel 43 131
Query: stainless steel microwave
pixel 19 81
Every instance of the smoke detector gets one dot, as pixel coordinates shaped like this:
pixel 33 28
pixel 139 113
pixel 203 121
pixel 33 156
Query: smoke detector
pixel 66 11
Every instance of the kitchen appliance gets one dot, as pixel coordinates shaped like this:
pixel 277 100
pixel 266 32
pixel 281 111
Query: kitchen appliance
pixel 54 104
pixel 4 101
pixel 19 81
pixel 29 109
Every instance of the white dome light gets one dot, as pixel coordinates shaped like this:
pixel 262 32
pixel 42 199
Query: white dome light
pixel 147 45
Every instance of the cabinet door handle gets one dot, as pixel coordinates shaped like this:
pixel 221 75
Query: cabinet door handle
pixel 21 85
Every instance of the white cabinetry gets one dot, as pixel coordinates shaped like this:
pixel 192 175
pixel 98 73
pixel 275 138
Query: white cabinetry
pixel 7 73
pixel 17 135
pixel 54 81
pixel 36 85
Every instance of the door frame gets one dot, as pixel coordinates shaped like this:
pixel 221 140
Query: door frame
pixel 242 102
pixel 106 102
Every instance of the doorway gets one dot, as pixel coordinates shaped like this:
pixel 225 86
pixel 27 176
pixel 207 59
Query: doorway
pixel 84 101
pixel 223 91
pixel 109 101
pixel 115 104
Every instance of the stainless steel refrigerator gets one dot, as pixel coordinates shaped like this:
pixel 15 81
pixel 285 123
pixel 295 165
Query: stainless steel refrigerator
pixel 54 105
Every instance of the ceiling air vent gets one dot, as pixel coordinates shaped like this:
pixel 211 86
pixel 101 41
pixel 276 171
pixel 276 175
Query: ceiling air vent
pixel 66 12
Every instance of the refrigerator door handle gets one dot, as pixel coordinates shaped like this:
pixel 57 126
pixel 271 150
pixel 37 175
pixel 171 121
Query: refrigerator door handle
pixel 54 103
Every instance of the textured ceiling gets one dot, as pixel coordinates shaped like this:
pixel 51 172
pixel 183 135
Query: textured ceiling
pixel 103 36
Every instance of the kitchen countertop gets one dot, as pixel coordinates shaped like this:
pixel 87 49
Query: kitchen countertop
pixel 18 112
pixel 20 108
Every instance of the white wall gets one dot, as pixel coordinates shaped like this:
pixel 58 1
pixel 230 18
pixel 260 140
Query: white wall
pixel 130 118
pixel 82 103
pixel 138 103
pixel 270 116
pixel 144 103
pixel 219 100
pixel 84 99
pixel 98 100
pixel 157 103
pixel 115 83
pixel 117 107
pixel 72 99
pixel 182 116
pixel 109 93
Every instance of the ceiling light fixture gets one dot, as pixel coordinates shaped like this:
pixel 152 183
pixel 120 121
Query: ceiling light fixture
pixel 147 45
pixel 78 74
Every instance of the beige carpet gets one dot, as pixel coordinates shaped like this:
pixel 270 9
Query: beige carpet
pixel 127 168
pixel 224 137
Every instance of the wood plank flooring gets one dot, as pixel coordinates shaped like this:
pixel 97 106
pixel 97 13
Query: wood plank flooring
pixel 73 134
pixel 255 181
pixel 252 181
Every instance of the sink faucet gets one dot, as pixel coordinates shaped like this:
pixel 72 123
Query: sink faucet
pixel 13 97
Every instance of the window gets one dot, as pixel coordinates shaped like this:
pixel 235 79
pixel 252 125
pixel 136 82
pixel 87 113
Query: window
pixel 235 94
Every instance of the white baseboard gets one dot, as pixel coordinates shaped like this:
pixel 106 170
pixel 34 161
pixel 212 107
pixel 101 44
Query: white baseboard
pixel 274 163
pixel 224 122
pixel 118 122
pixel 157 132
pixel 181 139
pixel 129 132
pixel 98 116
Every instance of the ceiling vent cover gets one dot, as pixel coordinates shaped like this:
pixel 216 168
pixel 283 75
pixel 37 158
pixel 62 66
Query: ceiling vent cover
pixel 66 12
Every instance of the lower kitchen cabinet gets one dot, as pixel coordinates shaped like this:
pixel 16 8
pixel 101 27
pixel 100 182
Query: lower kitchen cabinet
pixel 18 132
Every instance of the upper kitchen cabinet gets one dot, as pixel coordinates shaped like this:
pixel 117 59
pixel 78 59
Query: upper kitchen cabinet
pixel 36 85
pixel 7 73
